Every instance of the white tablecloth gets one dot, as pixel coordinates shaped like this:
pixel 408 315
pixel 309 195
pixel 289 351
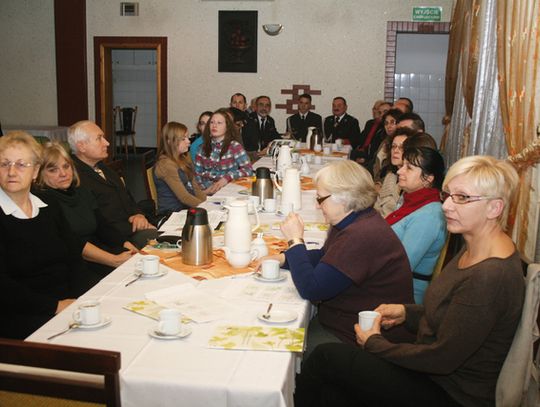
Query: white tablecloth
pixel 58 133
pixel 186 372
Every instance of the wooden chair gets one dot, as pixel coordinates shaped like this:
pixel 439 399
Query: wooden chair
pixel 65 358
pixel 151 186
pixel 124 119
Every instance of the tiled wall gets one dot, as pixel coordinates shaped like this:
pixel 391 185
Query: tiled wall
pixel 427 93
pixel 135 84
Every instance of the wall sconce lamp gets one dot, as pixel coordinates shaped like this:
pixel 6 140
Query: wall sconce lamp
pixel 272 29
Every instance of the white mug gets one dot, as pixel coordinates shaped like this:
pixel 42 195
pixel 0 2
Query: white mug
pixel 335 147
pixel 270 269
pixel 366 319
pixel 88 313
pixel 326 150
pixel 169 321
pixel 270 205
pixel 309 157
pixel 149 265
pixel 339 143
pixel 318 160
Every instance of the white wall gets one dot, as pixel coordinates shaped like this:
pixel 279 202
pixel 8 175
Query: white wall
pixel 27 62
pixel 337 46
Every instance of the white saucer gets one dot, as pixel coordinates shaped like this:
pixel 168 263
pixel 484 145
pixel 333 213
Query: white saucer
pixel 143 276
pixel 185 331
pixel 258 277
pixel 279 316
pixel 106 320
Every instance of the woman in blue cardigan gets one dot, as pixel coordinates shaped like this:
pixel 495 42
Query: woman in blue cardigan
pixel 419 222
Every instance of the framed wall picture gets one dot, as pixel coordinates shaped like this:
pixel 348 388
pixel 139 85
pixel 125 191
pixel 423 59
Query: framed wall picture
pixel 237 41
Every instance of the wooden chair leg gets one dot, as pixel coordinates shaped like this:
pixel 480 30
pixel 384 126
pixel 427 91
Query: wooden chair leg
pixel 133 142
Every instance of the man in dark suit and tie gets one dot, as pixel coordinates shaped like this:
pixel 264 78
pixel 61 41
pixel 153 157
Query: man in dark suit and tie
pixel 298 123
pixel 341 125
pixel 260 129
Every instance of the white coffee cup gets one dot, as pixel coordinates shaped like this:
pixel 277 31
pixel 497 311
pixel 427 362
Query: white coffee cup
pixel 339 143
pixel 326 150
pixel 318 160
pixel 335 147
pixel 149 264
pixel 270 205
pixel 254 201
pixel 317 148
pixel 270 269
pixel 366 319
pixel 295 157
pixel 309 157
pixel 169 321
pixel 88 313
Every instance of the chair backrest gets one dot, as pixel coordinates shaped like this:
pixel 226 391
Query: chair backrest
pixel 125 119
pixel 518 382
pixel 57 357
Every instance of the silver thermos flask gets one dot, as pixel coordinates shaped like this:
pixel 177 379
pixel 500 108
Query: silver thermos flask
pixel 197 238
pixel 263 186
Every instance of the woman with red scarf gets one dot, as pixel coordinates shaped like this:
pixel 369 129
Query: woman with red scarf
pixel 419 222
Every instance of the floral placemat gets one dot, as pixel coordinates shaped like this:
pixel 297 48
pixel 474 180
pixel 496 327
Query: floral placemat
pixel 148 309
pixel 258 338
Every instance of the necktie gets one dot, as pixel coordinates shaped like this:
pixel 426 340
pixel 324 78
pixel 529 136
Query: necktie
pixel 336 121
pixel 303 117
pixel 263 122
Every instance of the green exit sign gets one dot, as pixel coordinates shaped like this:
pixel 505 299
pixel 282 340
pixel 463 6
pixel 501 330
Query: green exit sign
pixel 427 13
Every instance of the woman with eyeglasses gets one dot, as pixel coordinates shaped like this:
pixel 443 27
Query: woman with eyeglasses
pixel 465 327
pixel 419 221
pixel 174 173
pixel 362 263
pixel 104 248
pixel 41 269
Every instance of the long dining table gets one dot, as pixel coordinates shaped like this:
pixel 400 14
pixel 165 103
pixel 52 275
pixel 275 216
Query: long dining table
pixel 187 371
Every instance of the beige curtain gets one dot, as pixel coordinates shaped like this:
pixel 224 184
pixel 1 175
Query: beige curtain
pixel 518 47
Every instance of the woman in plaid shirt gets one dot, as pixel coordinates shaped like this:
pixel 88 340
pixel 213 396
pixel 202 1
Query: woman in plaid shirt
pixel 220 159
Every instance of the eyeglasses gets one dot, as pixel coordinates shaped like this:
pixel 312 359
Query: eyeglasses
pixel 321 199
pixel 397 147
pixel 20 165
pixel 464 199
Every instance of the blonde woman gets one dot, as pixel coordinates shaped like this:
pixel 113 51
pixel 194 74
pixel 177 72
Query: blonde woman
pixel 465 327
pixel 104 247
pixel 174 174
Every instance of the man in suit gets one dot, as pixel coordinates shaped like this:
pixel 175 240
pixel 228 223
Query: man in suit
pixel 89 146
pixel 298 123
pixel 341 125
pixel 238 101
pixel 260 129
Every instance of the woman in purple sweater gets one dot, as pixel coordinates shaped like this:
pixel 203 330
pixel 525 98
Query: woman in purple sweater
pixel 465 327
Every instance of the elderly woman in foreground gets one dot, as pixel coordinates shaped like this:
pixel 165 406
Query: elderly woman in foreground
pixel 465 327
pixel 362 263
pixel 41 269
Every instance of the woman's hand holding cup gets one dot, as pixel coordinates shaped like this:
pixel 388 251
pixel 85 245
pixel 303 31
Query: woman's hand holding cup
pixel 391 314
pixel 292 227
pixel 362 336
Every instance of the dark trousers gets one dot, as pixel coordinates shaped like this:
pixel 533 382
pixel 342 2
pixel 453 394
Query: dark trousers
pixel 345 375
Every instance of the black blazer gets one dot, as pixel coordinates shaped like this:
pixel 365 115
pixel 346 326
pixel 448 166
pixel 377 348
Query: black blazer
pixel 113 198
pixel 348 128
pixel 299 127
pixel 256 139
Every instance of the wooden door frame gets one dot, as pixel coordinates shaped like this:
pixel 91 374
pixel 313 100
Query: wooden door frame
pixel 103 47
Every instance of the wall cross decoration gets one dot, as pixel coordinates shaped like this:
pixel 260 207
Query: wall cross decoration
pixel 291 105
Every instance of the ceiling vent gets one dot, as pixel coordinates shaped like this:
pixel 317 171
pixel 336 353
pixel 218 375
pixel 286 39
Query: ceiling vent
pixel 129 9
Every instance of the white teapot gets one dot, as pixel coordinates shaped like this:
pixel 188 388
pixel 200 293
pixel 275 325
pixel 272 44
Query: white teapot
pixel 291 192
pixel 259 245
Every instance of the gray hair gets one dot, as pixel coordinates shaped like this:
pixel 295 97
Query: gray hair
pixel 349 183
pixel 77 134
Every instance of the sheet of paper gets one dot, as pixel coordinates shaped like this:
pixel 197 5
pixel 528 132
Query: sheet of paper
pixel 176 221
pixel 275 339
pixel 247 289
pixel 192 303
